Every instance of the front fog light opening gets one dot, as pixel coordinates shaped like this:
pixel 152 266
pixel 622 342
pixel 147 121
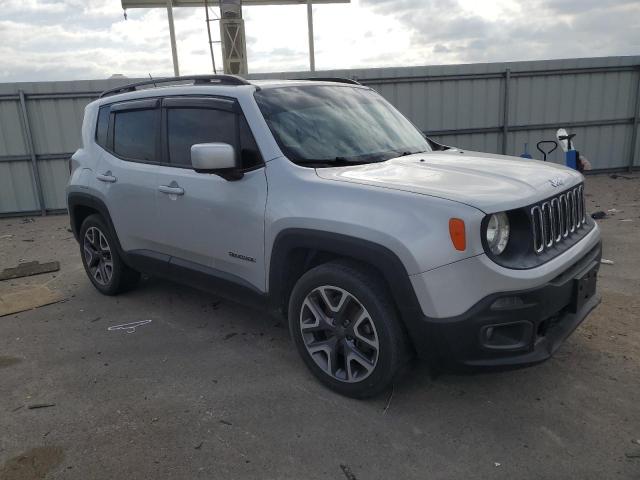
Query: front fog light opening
pixel 507 336
pixel 497 233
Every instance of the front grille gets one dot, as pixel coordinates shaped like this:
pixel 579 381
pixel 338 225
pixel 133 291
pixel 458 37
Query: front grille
pixel 557 219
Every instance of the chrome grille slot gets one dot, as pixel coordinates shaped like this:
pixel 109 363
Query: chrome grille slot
pixel 547 224
pixel 557 218
pixel 576 194
pixel 571 212
pixel 564 207
pixel 581 205
pixel 578 207
pixel 576 198
pixel 538 229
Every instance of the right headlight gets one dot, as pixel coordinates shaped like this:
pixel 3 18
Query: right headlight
pixel 497 233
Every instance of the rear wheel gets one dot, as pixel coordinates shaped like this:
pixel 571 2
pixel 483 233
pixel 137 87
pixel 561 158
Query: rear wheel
pixel 101 260
pixel 346 329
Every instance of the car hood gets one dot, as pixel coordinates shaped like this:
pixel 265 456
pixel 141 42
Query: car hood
pixel 489 182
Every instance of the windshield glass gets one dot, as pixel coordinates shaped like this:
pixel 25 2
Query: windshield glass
pixel 317 124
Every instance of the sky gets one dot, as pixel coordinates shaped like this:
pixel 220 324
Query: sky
pixel 90 39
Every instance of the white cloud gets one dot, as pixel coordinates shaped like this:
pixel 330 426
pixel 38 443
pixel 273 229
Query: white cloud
pixel 70 39
pixel 19 6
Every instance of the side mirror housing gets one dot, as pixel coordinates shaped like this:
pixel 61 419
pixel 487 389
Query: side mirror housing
pixel 219 158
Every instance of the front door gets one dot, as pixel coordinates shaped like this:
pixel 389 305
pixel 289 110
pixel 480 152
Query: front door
pixel 208 221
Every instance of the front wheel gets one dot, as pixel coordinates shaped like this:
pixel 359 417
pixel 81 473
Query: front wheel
pixel 346 329
pixel 101 260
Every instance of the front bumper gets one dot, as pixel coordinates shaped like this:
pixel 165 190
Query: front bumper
pixel 523 328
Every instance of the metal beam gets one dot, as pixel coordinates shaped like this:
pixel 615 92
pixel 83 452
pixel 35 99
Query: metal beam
pixel 634 131
pixel 172 34
pixel 198 3
pixel 433 133
pixel 32 153
pixel 505 110
pixel 571 124
pixel 532 126
pixel 51 96
pixel 30 213
pixel 26 158
pixel 312 55
pixel 461 131
pixel 484 76
pixel 573 71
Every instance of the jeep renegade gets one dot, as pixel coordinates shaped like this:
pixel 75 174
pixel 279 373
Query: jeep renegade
pixel 320 201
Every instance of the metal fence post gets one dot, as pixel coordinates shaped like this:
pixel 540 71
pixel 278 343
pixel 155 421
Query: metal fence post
pixel 32 152
pixel 312 53
pixel 172 35
pixel 505 111
pixel 634 125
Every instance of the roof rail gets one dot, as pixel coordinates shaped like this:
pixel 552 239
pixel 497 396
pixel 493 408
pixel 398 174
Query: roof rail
pixel 333 79
pixel 197 80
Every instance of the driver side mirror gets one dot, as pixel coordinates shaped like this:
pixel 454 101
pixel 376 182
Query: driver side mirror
pixel 218 158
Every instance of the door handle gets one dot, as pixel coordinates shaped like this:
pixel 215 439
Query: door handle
pixel 106 177
pixel 171 190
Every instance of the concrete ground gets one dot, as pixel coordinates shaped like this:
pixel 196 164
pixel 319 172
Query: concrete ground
pixel 210 389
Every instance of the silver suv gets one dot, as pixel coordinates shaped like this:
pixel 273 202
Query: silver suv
pixel 319 201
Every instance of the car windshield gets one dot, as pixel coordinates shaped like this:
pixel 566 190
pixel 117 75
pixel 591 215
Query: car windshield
pixel 318 125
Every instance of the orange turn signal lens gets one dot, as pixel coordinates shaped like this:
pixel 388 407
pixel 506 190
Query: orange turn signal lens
pixel 457 233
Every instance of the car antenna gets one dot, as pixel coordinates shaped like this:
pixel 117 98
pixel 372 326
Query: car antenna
pixel 154 83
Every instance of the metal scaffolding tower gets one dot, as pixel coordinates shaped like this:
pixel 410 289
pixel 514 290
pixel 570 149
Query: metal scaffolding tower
pixel 232 36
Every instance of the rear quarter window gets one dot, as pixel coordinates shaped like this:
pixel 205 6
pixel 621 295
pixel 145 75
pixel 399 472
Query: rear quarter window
pixel 102 126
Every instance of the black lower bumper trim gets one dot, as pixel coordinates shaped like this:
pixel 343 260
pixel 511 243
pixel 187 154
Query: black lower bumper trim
pixel 514 329
pixel 545 346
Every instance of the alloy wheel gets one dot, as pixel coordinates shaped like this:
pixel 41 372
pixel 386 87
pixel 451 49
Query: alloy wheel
pixel 97 255
pixel 339 334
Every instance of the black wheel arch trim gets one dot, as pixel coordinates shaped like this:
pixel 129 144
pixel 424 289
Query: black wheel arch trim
pixel 384 260
pixel 80 199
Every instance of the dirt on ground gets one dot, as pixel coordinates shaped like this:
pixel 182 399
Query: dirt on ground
pixel 204 388
pixel 32 465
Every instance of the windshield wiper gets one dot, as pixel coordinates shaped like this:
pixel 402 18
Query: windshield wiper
pixel 359 160
pixel 405 153
pixel 389 154
pixel 332 162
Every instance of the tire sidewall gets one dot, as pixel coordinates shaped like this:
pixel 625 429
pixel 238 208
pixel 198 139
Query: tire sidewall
pixel 118 267
pixel 381 312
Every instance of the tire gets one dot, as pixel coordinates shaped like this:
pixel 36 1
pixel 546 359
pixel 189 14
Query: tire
pixel 101 259
pixel 355 346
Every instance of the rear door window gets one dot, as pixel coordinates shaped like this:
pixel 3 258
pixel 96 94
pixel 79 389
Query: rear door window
pixel 134 135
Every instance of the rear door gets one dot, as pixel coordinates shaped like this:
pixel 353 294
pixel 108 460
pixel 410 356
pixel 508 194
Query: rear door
pixel 211 224
pixel 126 172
